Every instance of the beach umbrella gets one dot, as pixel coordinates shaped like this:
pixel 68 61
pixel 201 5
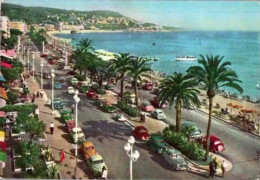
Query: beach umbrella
pixel 2 136
pixel 3 146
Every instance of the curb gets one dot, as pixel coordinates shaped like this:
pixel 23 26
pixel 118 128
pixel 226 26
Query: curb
pixel 223 120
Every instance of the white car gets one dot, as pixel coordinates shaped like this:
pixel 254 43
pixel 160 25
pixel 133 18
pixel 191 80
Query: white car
pixel 70 90
pixel 158 114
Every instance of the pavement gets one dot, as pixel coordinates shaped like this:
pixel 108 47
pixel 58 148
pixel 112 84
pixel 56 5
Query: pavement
pixel 57 141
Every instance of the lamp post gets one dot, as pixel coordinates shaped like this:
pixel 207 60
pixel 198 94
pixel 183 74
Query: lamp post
pixel 28 60
pixel 41 75
pixel 132 155
pixel 43 47
pixel 52 92
pixel 66 57
pixel 33 57
pixel 77 99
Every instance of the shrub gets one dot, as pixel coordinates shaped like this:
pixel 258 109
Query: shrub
pixel 178 140
pixel 30 108
pixel 109 108
pixel 12 97
pixel 98 89
pixel 80 77
pixel 128 109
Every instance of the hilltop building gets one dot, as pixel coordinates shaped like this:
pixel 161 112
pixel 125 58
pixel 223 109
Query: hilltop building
pixel 4 25
pixel 18 25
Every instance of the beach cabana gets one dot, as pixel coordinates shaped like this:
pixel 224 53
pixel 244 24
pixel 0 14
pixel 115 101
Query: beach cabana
pixel 2 136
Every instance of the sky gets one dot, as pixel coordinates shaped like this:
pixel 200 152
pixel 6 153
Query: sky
pixel 190 15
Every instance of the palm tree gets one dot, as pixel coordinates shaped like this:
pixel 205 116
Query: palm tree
pixel 120 62
pixel 85 45
pixel 214 74
pixel 136 69
pixel 180 89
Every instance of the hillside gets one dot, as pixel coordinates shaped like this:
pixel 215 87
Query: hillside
pixel 99 19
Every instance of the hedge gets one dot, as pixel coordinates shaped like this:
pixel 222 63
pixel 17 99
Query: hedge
pixel 128 109
pixel 98 89
pixel 28 108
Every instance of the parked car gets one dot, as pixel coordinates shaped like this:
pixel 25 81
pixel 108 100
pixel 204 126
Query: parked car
pixel 72 73
pixel 80 135
pixel 148 86
pixel 70 124
pixel 88 150
pixel 156 142
pixel 43 55
pixel 46 75
pixel 57 85
pixel 216 145
pixel 158 114
pixel 74 81
pixel 195 133
pixel 91 94
pixel 147 107
pixel 155 103
pixel 70 90
pixel 141 133
pixel 57 103
pixel 66 116
pixel 174 158
pixel 52 61
pixel 95 164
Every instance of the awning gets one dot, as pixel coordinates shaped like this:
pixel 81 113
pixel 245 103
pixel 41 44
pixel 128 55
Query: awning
pixel 3 156
pixel 3 146
pixel 2 134
pixel 7 65
pixel 3 93
pixel 2 77
pixel 2 114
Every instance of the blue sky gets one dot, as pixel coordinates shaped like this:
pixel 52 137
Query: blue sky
pixel 192 15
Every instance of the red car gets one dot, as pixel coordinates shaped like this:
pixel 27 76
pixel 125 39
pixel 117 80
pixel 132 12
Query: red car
pixel 72 73
pixel 141 132
pixel 147 107
pixel 70 124
pixel 216 145
pixel 91 94
pixel 52 61
pixel 155 103
pixel 44 55
pixel 148 86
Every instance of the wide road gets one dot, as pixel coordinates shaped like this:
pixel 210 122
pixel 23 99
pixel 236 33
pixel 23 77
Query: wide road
pixel 110 136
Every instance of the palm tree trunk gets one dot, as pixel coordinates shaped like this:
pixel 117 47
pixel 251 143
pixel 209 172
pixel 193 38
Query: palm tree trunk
pixel 122 88
pixel 136 94
pixel 178 116
pixel 209 125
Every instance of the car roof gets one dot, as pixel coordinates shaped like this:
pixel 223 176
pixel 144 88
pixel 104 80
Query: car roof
pixel 214 138
pixel 76 129
pixel 188 123
pixel 146 103
pixel 88 143
pixel 96 157
pixel 158 110
pixel 70 121
pixel 156 136
pixel 70 87
pixel 66 111
pixel 172 150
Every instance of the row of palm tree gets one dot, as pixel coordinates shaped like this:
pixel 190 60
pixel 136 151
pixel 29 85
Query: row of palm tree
pixel 178 89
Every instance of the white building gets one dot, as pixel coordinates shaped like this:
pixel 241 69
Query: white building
pixel 4 25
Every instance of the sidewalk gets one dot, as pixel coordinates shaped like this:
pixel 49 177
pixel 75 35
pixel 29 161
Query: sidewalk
pixel 59 140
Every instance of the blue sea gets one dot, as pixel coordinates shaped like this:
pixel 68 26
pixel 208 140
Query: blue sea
pixel 240 48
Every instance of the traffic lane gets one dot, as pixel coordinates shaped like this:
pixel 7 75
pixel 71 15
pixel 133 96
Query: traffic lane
pixel 241 147
pixel 109 138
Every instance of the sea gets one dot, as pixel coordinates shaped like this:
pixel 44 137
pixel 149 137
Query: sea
pixel 242 49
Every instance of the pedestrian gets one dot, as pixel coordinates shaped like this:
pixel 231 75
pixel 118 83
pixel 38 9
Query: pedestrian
pixel 104 172
pixel 210 169
pixel 38 94
pixel 34 93
pixel 62 155
pixel 33 99
pixel 41 93
pixel 37 112
pixel 51 127
pixel 223 168
pixel 72 108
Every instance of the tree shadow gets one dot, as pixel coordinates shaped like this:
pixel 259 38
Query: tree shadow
pixel 67 137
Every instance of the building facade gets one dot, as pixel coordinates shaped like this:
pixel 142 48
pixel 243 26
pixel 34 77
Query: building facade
pixel 4 25
pixel 18 25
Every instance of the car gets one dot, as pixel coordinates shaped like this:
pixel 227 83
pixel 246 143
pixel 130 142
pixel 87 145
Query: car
pixel 155 103
pixel 57 103
pixel 157 143
pixel 72 73
pixel 216 145
pixel 96 165
pixel 174 158
pixel 147 107
pixel 88 150
pixel 91 94
pixel 57 85
pixel 70 90
pixel 77 135
pixel 195 132
pixel 46 75
pixel 44 54
pixel 52 61
pixel 158 114
pixel 66 116
pixel 120 117
pixel 148 86
pixel 74 81
pixel 70 124
pixel 141 133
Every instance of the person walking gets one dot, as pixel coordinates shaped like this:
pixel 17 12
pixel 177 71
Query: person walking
pixel 38 94
pixel 223 168
pixel 41 93
pixel 72 108
pixel 37 112
pixel 51 127
pixel 33 99
pixel 34 94
pixel 62 155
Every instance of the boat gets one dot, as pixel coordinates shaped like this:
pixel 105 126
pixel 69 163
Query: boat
pixel 154 43
pixel 258 85
pixel 186 58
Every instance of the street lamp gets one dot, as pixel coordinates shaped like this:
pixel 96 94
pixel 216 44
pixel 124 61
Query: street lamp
pixel 28 60
pixel 132 155
pixel 41 74
pixel 77 99
pixel 33 57
pixel 52 92
pixel 43 48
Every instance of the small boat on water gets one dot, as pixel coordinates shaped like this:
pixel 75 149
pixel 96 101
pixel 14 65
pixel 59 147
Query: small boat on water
pixel 186 58
pixel 258 85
